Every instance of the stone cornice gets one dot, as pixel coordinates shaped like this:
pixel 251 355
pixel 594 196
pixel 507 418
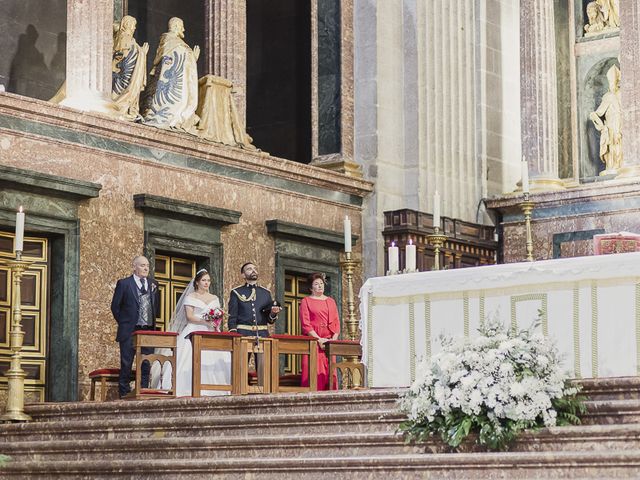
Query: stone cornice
pixel 307 234
pixel 185 210
pixel 28 180
pixel 91 130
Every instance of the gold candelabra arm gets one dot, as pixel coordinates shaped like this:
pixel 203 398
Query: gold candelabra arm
pixel 527 208
pixel 437 240
pixel 14 410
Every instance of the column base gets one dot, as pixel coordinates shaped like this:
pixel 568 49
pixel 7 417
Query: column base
pixel 338 164
pixel 544 184
pixel 629 171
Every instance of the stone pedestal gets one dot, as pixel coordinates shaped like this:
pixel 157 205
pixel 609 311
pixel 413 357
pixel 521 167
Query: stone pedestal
pixel 225 31
pixel 89 51
pixel 630 87
pixel 539 100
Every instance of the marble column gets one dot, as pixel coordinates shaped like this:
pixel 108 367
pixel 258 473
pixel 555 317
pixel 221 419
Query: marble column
pixel 89 51
pixel 539 99
pixel 630 87
pixel 226 32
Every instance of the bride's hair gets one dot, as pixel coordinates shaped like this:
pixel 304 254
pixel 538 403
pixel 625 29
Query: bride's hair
pixel 199 274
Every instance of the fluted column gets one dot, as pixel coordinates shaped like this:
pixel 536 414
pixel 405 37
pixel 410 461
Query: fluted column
pixel 539 100
pixel 630 87
pixel 226 32
pixel 89 51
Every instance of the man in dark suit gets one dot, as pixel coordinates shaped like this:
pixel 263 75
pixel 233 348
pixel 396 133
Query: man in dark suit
pixel 135 306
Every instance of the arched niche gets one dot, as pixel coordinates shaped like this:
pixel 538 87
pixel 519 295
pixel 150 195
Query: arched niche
pixel 595 85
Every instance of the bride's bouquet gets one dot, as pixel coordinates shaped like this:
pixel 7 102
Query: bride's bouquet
pixel 214 316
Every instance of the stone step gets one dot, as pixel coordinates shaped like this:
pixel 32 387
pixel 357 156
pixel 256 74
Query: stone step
pixel 156 425
pixel 318 402
pixel 582 438
pixel 611 411
pixel 512 465
pixel 611 388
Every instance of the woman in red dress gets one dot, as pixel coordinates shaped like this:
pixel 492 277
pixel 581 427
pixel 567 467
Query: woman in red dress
pixel 319 319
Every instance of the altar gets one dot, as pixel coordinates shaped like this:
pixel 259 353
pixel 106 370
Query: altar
pixel 590 306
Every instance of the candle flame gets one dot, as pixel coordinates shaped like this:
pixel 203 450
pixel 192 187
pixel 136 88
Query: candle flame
pixel 410 241
pixel 20 209
pixel 393 244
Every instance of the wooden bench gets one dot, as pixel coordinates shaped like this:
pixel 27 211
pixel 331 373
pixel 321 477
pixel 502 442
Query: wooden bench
pixel 265 347
pixel 351 368
pixel 204 341
pixel 105 377
pixel 295 345
pixel 153 339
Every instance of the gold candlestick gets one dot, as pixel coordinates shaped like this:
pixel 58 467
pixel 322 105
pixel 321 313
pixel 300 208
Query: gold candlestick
pixel 14 410
pixel 437 240
pixel 349 266
pixel 527 207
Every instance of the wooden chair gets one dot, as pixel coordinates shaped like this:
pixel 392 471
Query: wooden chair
pixel 153 339
pixel 104 377
pixel 351 368
pixel 265 347
pixel 296 345
pixel 204 341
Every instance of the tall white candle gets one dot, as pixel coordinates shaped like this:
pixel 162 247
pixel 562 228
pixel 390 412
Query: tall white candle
pixel 410 257
pixel 525 176
pixel 19 243
pixel 347 234
pixel 394 255
pixel 436 209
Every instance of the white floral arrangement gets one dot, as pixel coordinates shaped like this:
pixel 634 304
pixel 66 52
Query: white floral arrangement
pixel 494 386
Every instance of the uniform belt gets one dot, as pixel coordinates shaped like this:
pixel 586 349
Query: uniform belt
pixel 253 328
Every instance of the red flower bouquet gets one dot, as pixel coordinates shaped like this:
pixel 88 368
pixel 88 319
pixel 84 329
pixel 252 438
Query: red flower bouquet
pixel 214 316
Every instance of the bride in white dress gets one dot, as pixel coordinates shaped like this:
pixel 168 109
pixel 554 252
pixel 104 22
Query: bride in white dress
pixel 188 317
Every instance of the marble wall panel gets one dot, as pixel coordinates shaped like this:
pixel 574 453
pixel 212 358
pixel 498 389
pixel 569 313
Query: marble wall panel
pixel 111 230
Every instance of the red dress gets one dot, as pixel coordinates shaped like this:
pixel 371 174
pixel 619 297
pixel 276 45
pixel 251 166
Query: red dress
pixel 321 316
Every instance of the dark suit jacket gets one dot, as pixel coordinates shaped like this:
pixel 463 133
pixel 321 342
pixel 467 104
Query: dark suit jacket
pixel 125 305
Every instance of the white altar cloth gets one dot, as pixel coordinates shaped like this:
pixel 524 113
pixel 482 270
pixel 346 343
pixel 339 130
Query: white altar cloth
pixel 590 307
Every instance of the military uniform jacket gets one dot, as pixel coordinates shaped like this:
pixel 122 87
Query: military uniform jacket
pixel 249 310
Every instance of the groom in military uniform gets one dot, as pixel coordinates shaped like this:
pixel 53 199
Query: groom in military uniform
pixel 251 308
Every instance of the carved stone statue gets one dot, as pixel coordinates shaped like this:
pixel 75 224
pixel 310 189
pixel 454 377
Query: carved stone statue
pixel 219 120
pixel 608 121
pixel 171 97
pixel 602 15
pixel 129 76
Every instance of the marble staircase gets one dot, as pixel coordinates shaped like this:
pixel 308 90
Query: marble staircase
pixel 341 434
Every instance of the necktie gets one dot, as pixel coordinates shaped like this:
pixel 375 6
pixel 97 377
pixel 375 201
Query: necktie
pixel 143 282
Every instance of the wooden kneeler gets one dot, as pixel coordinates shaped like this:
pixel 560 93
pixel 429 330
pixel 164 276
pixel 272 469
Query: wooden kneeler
pixel 153 339
pixel 350 367
pixel 204 341
pixel 297 345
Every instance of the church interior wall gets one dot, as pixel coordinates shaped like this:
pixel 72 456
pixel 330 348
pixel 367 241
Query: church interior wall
pixel 33 43
pixel 131 159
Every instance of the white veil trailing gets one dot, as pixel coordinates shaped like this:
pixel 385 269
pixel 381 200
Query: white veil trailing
pixel 179 316
pixel 161 374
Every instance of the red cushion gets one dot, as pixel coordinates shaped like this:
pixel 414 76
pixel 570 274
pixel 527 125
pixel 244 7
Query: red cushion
pixel 154 332
pixel 348 342
pixel 210 333
pixel 292 337
pixel 104 371
pixel 153 391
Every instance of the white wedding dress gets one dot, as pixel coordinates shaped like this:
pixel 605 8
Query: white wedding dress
pixel 216 366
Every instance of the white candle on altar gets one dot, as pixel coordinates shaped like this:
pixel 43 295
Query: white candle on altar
pixel 347 234
pixel 410 257
pixel 525 176
pixel 436 209
pixel 394 255
pixel 19 242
